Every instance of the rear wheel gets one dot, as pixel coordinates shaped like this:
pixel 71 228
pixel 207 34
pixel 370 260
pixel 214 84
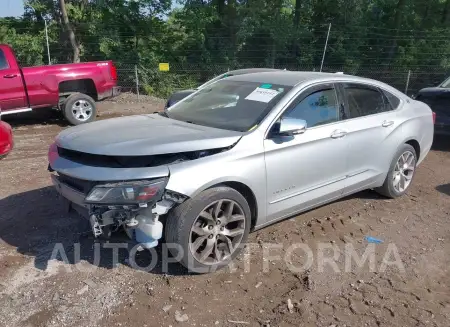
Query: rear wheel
pixel 400 173
pixel 208 231
pixel 79 108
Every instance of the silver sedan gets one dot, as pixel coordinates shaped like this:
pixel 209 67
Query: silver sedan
pixel 238 155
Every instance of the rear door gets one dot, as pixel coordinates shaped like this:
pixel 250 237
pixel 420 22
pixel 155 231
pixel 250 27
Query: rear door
pixel 12 92
pixel 370 119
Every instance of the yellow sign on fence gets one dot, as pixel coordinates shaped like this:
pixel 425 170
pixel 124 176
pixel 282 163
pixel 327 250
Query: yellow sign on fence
pixel 164 66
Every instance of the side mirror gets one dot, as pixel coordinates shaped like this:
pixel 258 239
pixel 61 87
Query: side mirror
pixel 292 126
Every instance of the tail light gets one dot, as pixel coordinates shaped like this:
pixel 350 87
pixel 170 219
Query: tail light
pixel 113 72
pixel 434 117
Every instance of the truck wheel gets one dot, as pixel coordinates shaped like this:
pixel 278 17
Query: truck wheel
pixel 79 108
pixel 207 232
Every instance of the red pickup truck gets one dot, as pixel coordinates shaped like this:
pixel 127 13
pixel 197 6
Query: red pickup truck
pixel 71 88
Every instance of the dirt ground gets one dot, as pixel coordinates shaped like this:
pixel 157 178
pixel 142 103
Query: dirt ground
pixel 259 291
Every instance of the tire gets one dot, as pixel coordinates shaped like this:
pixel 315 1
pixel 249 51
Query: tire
pixel 388 189
pixel 180 222
pixel 79 108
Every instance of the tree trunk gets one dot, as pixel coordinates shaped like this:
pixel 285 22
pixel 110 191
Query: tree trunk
pixel 424 21
pixel 446 13
pixel 232 29
pixel 296 23
pixel 397 24
pixel 221 8
pixel 298 5
pixel 69 29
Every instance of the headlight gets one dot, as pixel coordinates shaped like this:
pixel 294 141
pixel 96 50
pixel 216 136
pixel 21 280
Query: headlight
pixel 127 192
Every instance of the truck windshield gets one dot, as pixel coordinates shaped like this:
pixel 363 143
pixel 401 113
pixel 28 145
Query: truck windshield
pixel 232 105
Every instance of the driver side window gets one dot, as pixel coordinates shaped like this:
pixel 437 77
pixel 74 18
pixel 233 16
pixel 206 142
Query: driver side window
pixel 3 61
pixel 318 108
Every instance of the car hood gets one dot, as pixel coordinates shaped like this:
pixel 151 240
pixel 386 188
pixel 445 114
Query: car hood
pixel 431 90
pixel 144 135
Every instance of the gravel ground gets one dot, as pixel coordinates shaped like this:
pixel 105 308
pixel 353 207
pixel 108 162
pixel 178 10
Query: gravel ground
pixel 36 290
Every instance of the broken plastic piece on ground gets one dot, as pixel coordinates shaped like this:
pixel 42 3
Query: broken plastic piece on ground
pixel 371 239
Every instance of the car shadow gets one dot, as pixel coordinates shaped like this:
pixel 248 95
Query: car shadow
pixel 41 117
pixel 37 224
pixel 444 188
pixel 364 195
pixel 441 143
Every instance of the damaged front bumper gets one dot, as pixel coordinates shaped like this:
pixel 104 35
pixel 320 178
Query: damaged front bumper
pixel 139 218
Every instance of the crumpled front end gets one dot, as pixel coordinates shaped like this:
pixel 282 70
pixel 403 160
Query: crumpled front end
pixel 114 192
pixel 136 206
pixel 111 198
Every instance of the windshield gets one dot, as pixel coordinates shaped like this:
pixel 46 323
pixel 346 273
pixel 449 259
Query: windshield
pixel 213 80
pixel 232 105
pixel 446 83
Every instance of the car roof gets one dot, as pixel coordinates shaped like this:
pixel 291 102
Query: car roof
pixel 291 78
pixel 251 71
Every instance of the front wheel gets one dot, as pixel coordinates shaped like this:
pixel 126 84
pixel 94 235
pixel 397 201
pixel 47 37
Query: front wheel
pixel 401 172
pixel 207 232
pixel 79 108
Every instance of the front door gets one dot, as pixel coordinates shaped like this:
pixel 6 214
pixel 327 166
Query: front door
pixel 310 168
pixel 12 92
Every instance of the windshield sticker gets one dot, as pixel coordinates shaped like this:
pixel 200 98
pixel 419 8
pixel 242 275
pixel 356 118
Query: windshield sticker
pixel 262 95
pixel 266 86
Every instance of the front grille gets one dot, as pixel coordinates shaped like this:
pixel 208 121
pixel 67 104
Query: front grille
pixel 97 160
pixel 79 184
pixel 88 159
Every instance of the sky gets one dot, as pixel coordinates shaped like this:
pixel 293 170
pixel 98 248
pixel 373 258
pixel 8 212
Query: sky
pixel 11 8
pixel 15 8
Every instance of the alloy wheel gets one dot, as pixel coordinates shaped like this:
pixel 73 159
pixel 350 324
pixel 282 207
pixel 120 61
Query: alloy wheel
pixel 404 171
pixel 217 232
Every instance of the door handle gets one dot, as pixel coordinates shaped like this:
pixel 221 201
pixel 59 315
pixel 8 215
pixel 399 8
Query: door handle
pixel 338 134
pixel 387 123
pixel 10 76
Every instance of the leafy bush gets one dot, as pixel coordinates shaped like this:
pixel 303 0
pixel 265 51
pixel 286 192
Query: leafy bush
pixel 163 84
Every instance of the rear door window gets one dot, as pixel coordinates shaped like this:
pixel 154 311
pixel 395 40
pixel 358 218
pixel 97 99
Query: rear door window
pixel 392 99
pixel 3 62
pixel 364 100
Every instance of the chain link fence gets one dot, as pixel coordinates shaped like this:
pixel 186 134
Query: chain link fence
pixel 143 80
